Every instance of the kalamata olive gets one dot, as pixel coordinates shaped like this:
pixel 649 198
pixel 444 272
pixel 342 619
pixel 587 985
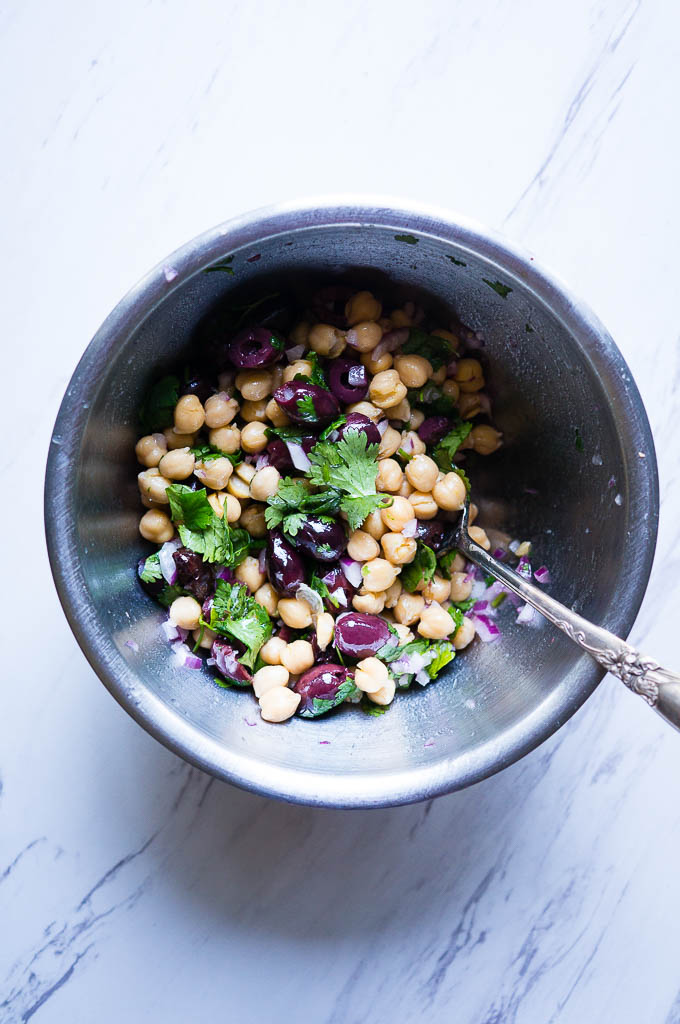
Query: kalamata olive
pixel 152 587
pixel 329 304
pixel 323 688
pixel 321 537
pixel 279 456
pixel 254 347
pixel 193 574
pixel 348 380
pixel 436 533
pixel 357 421
pixel 433 429
pixel 360 635
pixel 340 590
pixel 307 403
pixel 228 664
pixel 285 568
pixel 196 383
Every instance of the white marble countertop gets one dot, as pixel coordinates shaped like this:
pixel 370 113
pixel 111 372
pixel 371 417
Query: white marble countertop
pixel 134 888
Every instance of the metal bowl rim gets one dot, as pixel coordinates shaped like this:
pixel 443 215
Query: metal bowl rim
pixel 167 725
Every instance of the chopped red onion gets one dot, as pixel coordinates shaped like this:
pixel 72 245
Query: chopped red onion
pixel 352 571
pixel 480 606
pixel 389 342
pixel 478 589
pixel 298 456
pixel 262 461
pixel 407 445
pixel 382 426
pixel 410 528
pixel 423 677
pixel 167 562
pixel 542 575
pixel 170 273
pixel 133 645
pixel 339 596
pixel 262 561
pixel 452 367
pixel 295 353
pixel 513 545
pixel 169 630
pixel 500 554
pixel 485 628
pixel 611 482
pixel 524 567
pixel 211 662
pixel 527 615
pixel 185 656
pixel 469 576
pixel 411 664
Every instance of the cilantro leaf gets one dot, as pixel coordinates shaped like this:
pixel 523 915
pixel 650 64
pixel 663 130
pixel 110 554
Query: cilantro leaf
pixel 317 374
pixel 459 263
pixel 465 605
pixel 293 499
pixel 321 705
pixel 433 399
pixel 306 410
pixel 444 653
pixel 449 445
pixel 457 616
pixel 501 289
pixel 191 508
pixel 358 509
pixel 217 542
pixel 369 708
pixel 409 239
pixel 157 409
pixel 224 266
pixel 350 466
pixel 152 569
pixel 291 433
pixel 322 590
pixel 332 426
pixel 169 593
pixel 444 563
pixel 292 523
pixel 464 477
pixel 237 615
pixel 421 569
pixel 208 452
pixel 438 351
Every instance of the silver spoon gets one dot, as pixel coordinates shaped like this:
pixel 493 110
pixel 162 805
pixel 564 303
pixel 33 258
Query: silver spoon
pixel 659 687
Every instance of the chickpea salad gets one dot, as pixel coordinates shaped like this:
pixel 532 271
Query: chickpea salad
pixel 302 494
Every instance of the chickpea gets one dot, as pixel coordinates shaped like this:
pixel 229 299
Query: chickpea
pixel 449 492
pixel 267 597
pixel 279 704
pixel 295 612
pixel 245 471
pixel 252 519
pixel 485 439
pixel 273 649
pixel 412 444
pixel 438 589
pixel 385 695
pixel 275 414
pixel 479 536
pixel 400 318
pixel 469 406
pixel 404 633
pixel 464 635
pixel 393 593
pixel 440 332
pixel 451 390
pixel 397 515
pixel 366 409
pixel 214 473
pixel 405 491
pixel 408 608
pixel 362 547
pixel 254 437
pixel 265 483
pixel 386 389
pixel 254 412
pixel 204 637
pixel 299 368
pixel 383 362
pixel 326 340
pixel 248 572
pixel 177 464
pixel 439 376
pixel 461 587
pixel 390 476
pixel 416 419
pixel 157 527
pixel 227 439
pixel 370 675
pixel 217 501
pixel 435 622
pixel 277 377
pixel 299 335
pixel 325 628
pixel 189 415
pixel 474 512
pixel 374 525
pixel 151 449
pixel 378 575
pixel 173 439
pixel 185 612
pixel 254 384
pixel 220 410
pixel 398 550
pixel 390 443
pixel 153 485
pixel 268 678
pixel 422 472
pixel 362 306
pixel 457 565
pixel 233 507
pixel 238 489
pixel 415 371
pixel 364 337
pixel 469 375
pixel 298 657
pixel 524 549
pixel 424 506
pixel 369 604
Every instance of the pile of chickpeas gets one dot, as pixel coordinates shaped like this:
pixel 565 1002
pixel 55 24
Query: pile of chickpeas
pixel 419 489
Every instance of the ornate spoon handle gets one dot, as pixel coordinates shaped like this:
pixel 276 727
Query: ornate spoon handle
pixel 657 685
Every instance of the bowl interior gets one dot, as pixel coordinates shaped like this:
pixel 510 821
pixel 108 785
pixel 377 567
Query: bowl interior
pixel 568 479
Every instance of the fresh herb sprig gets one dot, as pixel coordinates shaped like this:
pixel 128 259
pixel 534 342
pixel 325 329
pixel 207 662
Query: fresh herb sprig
pixel 349 466
pixel 237 615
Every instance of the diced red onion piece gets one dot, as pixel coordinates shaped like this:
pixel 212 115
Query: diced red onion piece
pixel 527 615
pixel 410 528
pixel 524 568
pixel 262 561
pixel 382 426
pixel 481 606
pixel 167 562
pixel 485 628
pixel 294 353
pixel 423 677
pixel 500 554
pixel 211 662
pixel 169 630
pixel 262 461
pixel 133 645
pixel 298 456
pixel 186 657
pixel 340 596
pixel 542 575
pixel 478 588
pixel 513 545
pixel 352 570
pixel 452 367
pixel 407 445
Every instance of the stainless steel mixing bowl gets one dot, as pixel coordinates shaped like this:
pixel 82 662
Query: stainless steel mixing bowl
pixel 577 473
